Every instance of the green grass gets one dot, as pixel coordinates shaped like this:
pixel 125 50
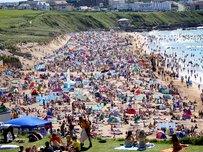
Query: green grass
pixel 17 26
pixel 111 144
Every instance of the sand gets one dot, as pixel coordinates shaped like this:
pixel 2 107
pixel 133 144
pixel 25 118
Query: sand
pixel 39 51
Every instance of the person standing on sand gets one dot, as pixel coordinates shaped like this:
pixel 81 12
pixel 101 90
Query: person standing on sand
pixel 85 134
pixel 201 96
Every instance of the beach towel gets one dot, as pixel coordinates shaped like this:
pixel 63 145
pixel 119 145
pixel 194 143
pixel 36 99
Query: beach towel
pixel 124 148
pixel 148 145
pixel 8 147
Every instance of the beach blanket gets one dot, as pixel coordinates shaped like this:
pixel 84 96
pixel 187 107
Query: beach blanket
pixel 8 147
pixel 123 148
pixel 149 145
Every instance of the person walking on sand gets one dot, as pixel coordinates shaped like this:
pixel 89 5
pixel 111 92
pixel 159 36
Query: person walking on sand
pixel 85 133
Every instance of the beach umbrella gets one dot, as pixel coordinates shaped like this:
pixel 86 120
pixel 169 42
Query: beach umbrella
pixel 158 95
pixel 137 91
pixel 24 86
pixel 97 75
pixel 137 119
pixel 32 85
pixel 80 95
pixel 97 107
pixel 34 92
pixel 140 97
pixel 135 69
pixel 152 82
pixel 164 90
pixel 187 114
pixel 114 112
pixel 131 111
pixel 138 82
pixel 8 73
pixel 16 90
pixel 68 84
pixel 114 120
pixel 78 79
pixel 57 89
pixel 102 89
pixel 15 81
pixel 85 82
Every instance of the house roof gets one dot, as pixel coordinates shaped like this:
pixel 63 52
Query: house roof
pixel 61 2
pixel 25 5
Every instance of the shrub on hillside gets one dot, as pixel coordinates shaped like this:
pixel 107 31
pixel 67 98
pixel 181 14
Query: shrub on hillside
pixel 192 140
pixel 13 61
pixel 186 140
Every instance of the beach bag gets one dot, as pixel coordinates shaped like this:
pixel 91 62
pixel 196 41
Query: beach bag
pixel 32 138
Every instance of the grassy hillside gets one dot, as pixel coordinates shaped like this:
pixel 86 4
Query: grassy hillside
pixel 36 26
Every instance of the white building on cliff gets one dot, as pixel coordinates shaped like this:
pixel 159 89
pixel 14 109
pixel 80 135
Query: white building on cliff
pixel 140 6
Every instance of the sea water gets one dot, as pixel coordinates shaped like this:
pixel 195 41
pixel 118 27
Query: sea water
pixel 180 45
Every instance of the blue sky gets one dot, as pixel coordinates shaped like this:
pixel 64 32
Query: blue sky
pixel 2 1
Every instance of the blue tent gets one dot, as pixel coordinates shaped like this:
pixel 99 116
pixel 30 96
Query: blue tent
pixel 40 67
pixel 28 122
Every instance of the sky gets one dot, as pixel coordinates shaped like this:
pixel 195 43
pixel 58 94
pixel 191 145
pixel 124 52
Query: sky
pixel 2 1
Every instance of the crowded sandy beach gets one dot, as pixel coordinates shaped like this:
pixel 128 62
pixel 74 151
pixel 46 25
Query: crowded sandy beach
pixel 106 84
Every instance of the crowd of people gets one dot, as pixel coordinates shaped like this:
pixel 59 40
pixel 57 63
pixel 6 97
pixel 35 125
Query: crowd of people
pixel 98 84
pixel 187 61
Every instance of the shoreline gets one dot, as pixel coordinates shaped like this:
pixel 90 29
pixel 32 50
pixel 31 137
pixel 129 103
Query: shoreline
pixel 192 93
